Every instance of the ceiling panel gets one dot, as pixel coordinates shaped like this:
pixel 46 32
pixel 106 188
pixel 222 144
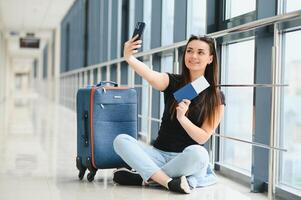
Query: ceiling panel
pixel 33 14
pixel 40 17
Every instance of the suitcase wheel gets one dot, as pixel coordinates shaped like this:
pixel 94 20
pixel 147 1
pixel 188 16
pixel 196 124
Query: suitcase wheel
pixel 80 167
pixel 81 175
pixel 91 176
pixel 92 170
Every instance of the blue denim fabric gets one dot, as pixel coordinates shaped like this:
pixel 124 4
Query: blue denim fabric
pixel 193 162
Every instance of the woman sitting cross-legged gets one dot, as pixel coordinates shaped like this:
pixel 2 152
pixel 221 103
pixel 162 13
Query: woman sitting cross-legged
pixel 177 160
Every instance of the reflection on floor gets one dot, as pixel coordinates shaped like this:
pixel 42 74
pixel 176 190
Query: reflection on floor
pixel 37 153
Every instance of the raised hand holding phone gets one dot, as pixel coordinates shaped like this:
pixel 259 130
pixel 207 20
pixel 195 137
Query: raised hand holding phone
pixel 132 45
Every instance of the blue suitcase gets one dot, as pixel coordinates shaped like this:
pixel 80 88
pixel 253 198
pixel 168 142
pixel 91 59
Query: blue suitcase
pixel 103 112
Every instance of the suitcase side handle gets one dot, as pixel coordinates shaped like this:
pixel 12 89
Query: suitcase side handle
pixel 102 83
pixel 85 136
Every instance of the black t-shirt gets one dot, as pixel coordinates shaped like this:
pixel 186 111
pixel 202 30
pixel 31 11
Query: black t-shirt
pixel 172 136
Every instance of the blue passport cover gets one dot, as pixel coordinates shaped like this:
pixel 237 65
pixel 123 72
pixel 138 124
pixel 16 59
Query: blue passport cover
pixel 191 90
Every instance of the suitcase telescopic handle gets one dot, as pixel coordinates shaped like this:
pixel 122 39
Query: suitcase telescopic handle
pixel 102 83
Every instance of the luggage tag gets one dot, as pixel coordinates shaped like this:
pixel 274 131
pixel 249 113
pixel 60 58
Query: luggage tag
pixel 191 90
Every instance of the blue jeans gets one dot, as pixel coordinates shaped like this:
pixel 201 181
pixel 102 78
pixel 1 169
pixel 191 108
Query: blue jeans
pixel 193 162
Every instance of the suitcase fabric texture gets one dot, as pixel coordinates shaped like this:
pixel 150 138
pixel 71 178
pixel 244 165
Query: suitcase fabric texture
pixel 103 112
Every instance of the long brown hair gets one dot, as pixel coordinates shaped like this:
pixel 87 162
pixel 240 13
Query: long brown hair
pixel 210 98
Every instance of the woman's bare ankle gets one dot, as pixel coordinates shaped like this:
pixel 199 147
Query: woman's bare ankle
pixel 161 178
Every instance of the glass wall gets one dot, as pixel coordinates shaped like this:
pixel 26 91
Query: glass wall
pixel 196 17
pixel 290 137
pixel 167 22
pixel 235 8
pixel 147 17
pixel 237 68
pixel 167 39
pixel 147 4
pixel 292 5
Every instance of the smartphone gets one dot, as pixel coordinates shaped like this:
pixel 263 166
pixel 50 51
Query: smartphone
pixel 139 28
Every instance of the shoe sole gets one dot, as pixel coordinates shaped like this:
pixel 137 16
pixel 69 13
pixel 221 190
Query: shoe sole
pixel 184 185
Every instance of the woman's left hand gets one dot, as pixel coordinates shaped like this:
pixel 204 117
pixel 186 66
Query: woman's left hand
pixel 182 108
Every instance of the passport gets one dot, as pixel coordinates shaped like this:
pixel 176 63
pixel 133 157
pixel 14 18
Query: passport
pixel 191 90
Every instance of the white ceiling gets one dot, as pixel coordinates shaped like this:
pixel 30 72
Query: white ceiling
pixel 40 17
pixel 32 15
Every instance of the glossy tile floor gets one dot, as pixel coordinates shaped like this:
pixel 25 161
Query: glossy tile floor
pixel 37 154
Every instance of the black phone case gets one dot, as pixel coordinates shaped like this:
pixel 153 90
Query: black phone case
pixel 139 28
